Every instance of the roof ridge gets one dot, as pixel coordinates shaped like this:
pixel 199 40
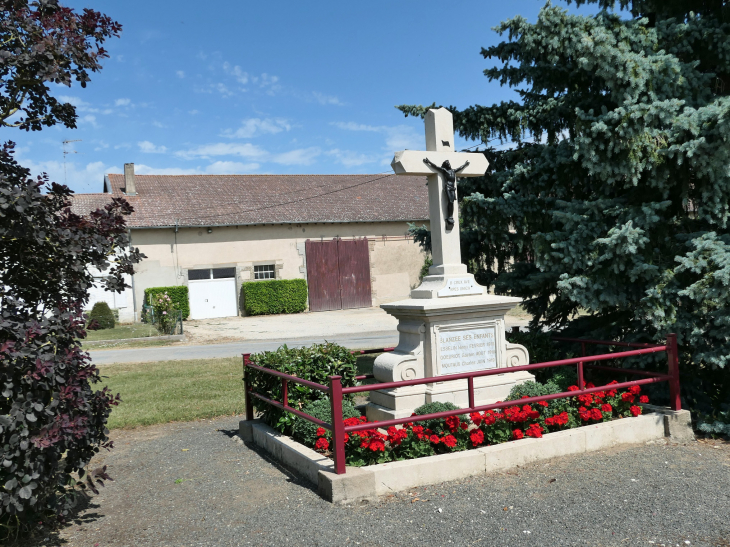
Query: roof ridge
pixel 261 175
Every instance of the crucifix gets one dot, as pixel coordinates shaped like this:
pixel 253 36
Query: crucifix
pixel 436 163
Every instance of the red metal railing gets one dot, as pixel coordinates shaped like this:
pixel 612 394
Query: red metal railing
pixel 335 390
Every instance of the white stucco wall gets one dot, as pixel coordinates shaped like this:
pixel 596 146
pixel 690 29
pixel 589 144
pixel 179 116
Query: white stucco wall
pixel 395 262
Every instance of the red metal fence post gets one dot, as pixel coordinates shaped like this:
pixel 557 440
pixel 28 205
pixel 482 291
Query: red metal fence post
pixel 285 391
pixel 581 380
pixel 470 386
pixel 675 401
pixel 248 398
pixel 338 426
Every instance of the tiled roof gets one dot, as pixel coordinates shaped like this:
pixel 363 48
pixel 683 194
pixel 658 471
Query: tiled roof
pixel 213 200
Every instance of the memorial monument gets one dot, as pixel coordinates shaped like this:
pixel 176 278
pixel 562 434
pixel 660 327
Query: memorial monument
pixel 450 324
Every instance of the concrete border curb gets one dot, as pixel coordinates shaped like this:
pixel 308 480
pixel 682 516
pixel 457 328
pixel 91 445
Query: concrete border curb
pixel 366 483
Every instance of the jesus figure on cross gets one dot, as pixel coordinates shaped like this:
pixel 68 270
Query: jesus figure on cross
pixel 449 175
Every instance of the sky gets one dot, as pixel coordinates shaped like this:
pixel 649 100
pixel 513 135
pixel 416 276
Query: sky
pixel 224 87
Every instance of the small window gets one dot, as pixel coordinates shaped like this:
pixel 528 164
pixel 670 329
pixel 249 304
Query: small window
pixel 196 275
pixel 266 271
pixel 223 273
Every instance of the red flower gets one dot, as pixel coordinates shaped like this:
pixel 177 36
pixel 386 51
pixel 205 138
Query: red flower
pixel 612 393
pixel 476 418
pixel 627 397
pixel 596 414
pixel 464 426
pixel 322 444
pixel 376 445
pixel 434 439
pixel 643 399
pixel 543 404
pixel 489 419
pixel 320 432
pixel 517 434
pixel 477 437
pixel 635 410
pixel 573 388
pixel 348 422
pixel 452 422
pixel 635 390
pixel 590 385
pixel 418 429
pixel 607 408
pixel 449 440
pixel 586 398
pixel 347 437
pixel 535 430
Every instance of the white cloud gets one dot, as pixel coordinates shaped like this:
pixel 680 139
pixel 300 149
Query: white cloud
pixel 235 71
pixel 397 137
pixel 352 126
pixel 224 149
pixel 122 102
pixel 180 73
pixel 230 168
pixel 81 105
pixel 149 148
pixel 79 177
pixel 321 98
pixel 89 119
pixel 159 124
pixel 253 126
pixel 215 168
pixel 348 158
pixel 301 156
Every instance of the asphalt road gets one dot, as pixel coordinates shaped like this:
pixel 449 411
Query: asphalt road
pixel 234 349
pixel 194 484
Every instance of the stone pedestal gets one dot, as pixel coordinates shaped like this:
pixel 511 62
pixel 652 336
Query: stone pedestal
pixel 441 336
pixel 450 324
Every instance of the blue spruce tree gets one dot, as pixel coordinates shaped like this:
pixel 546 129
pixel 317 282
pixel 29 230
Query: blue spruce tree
pixel 609 212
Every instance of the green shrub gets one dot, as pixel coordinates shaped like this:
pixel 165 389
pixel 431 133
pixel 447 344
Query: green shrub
pixel 274 296
pixel 315 363
pixel 565 377
pixel 305 431
pixel 432 408
pixel 102 314
pixel 178 294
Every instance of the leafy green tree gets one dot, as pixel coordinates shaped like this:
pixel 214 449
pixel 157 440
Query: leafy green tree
pixel 608 212
pixel 52 420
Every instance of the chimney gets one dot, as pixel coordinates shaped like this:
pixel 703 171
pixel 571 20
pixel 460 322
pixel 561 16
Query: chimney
pixel 129 188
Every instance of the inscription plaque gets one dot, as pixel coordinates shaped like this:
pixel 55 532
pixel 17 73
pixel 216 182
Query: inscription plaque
pixel 468 350
pixel 460 285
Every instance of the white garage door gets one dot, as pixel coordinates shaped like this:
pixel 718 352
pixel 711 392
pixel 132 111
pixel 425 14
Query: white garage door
pixel 212 293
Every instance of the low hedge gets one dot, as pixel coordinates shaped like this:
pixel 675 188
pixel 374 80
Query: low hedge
pixel 178 294
pixel 315 363
pixel 274 296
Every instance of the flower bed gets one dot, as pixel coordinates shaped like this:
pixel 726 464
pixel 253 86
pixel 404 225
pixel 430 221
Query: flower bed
pixel 375 446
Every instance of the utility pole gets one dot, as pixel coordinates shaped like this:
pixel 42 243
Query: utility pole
pixel 66 153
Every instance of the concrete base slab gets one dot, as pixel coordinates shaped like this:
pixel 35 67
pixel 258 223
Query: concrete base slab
pixel 367 483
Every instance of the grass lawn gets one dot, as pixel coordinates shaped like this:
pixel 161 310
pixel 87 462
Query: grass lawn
pixel 134 330
pixel 174 391
pixel 180 391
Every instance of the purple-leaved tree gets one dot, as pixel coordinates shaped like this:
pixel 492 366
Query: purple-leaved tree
pixel 52 420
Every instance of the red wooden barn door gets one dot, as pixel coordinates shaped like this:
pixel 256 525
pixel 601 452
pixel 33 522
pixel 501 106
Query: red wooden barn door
pixel 338 274
pixel 354 262
pixel 323 275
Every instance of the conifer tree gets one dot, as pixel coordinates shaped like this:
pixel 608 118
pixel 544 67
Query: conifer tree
pixel 608 212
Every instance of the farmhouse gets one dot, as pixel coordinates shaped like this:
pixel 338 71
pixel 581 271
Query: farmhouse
pixel 345 234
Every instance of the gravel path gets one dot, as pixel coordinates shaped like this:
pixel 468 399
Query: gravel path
pixel 195 484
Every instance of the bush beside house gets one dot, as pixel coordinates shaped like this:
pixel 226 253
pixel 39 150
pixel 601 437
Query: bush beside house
pixel 178 294
pixel 101 316
pixel 274 296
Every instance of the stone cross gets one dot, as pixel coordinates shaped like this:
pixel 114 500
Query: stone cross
pixel 445 244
